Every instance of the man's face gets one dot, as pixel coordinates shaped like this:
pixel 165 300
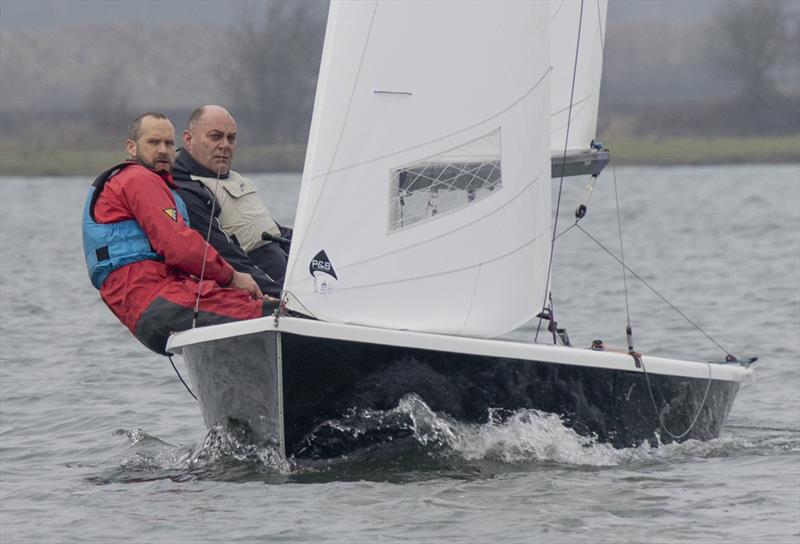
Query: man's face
pixel 212 140
pixel 155 146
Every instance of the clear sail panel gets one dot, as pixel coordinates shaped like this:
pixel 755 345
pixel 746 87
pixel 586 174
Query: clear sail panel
pixel 443 183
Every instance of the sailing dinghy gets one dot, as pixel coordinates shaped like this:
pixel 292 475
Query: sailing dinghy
pixel 424 231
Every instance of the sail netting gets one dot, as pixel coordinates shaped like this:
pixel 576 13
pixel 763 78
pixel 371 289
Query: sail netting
pixel 425 199
pixel 576 26
pixel 445 182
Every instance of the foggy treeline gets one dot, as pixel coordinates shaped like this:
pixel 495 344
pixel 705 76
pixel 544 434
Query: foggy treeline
pixel 733 73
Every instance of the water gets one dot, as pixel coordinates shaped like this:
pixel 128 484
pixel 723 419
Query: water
pixel 99 441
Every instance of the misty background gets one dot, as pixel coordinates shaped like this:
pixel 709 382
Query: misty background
pixel 74 72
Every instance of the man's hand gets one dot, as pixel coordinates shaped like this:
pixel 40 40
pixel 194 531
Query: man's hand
pixel 240 280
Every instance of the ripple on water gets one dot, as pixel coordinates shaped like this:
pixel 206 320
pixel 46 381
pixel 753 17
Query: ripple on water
pixel 70 375
pixel 434 446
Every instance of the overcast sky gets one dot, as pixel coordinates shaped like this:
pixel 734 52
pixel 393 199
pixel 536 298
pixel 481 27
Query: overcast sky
pixel 34 13
pixel 17 14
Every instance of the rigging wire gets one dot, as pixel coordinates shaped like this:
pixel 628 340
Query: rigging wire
pixel 652 289
pixel 621 259
pixel 561 181
pixel 237 67
pixel 196 310
pixel 625 271
pixel 628 327
pixel 205 250
pixel 622 251
pixel 629 330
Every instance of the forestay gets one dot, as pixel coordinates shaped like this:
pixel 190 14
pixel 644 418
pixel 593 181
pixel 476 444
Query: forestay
pixel 576 25
pixel 425 199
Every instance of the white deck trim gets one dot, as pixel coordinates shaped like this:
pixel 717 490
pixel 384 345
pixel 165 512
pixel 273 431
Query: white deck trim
pixel 459 344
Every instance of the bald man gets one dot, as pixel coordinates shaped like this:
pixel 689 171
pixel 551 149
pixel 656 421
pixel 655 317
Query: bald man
pixel 203 175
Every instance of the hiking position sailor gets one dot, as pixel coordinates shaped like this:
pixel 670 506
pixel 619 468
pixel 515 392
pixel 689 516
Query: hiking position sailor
pixel 202 172
pixel 143 257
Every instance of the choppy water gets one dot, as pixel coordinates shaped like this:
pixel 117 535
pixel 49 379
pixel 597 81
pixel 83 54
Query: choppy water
pixel 99 441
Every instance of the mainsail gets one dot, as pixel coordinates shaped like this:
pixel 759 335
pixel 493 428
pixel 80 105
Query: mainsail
pixel 425 198
pixel 576 26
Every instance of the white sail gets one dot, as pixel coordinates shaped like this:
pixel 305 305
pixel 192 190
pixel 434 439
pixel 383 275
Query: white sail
pixel 575 25
pixel 425 199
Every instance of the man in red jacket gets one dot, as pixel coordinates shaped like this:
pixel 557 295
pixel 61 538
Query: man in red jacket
pixel 144 258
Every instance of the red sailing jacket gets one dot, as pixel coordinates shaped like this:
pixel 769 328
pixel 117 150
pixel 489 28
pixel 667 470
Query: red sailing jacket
pixel 143 195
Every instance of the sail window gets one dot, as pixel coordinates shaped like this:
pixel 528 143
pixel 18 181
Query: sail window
pixel 446 182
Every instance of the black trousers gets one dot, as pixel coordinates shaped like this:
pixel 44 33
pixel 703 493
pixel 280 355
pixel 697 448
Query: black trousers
pixel 163 317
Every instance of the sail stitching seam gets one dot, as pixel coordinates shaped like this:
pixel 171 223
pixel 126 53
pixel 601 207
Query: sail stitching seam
pixel 443 273
pixel 450 271
pixel 491 117
pixel 344 121
pixel 472 298
pixel 481 218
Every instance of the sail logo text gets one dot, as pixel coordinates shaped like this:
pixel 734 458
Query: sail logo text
pixel 321 269
pixel 323 273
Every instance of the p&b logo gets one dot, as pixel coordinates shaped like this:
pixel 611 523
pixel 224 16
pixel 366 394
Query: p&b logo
pixel 323 266
pixel 321 263
pixel 323 273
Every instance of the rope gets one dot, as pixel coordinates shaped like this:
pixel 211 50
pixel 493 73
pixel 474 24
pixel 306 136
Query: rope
pixel 561 181
pixel 658 412
pixel 640 360
pixel 180 377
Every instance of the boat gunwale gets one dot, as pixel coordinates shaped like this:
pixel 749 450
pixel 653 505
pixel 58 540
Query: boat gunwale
pixel 507 349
